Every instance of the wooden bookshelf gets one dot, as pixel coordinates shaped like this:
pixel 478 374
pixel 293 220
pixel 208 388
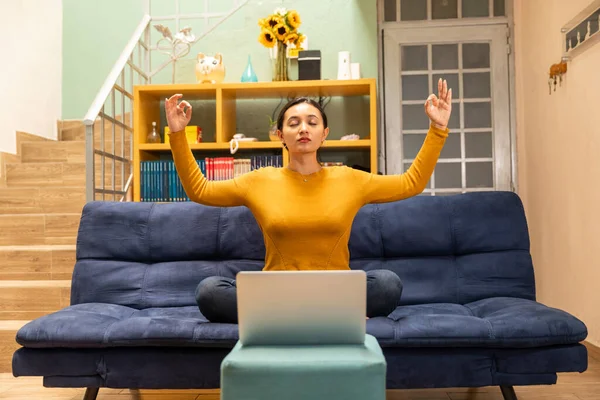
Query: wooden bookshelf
pixel 147 108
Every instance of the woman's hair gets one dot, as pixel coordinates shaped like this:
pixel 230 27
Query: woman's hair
pixel 299 100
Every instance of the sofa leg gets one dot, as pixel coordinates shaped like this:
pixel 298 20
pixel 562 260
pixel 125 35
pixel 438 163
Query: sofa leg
pixel 91 393
pixel 508 392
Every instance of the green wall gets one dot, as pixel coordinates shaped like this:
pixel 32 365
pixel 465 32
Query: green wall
pixel 96 32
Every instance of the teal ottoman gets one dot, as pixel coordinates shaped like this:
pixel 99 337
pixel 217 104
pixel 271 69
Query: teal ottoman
pixel 327 372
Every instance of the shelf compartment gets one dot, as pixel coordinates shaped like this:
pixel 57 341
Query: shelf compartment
pixel 357 87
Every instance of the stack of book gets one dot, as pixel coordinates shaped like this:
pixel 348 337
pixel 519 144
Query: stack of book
pixel 160 182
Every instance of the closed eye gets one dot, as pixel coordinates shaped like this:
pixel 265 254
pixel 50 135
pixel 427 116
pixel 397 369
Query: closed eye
pixel 295 122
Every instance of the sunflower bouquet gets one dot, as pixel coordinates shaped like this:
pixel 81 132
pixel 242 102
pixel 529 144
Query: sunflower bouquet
pixel 280 29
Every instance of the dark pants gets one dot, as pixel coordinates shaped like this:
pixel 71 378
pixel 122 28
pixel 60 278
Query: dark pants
pixel 217 297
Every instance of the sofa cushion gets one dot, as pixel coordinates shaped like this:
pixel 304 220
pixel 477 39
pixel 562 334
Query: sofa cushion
pixel 494 322
pixel 446 249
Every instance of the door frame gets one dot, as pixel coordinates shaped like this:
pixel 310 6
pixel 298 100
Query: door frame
pixel 507 21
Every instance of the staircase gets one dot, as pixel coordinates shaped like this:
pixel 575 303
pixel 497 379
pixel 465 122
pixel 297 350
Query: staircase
pixel 42 193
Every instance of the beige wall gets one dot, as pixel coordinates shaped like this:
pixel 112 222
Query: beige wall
pixel 30 69
pixel 558 141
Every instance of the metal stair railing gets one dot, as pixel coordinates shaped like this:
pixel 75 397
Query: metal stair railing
pixel 113 108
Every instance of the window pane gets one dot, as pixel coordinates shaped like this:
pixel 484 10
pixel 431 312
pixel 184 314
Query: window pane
pixel 451 80
pixel 479 175
pixel 413 10
pixel 475 8
pixel 476 55
pixel 414 58
pixel 477 115
pixel 389 11
pixel 415 87
pixel 478 144
pixel 444 56
pixel 414 117
pixel 444 9
pixel 454 122
pixel 448 176
pixel 451 148
pixel 411 144
pixel 499 8
pixel 477 85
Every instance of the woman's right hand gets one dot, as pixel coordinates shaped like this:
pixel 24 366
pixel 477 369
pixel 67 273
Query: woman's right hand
pixel 177 115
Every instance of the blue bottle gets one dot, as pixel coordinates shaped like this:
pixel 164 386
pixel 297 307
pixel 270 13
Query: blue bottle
pixel 249 75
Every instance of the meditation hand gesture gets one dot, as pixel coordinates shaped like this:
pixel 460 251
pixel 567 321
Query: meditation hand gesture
pixel 177 116
pixel 439 109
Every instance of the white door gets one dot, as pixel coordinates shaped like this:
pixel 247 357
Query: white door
pixel 474 61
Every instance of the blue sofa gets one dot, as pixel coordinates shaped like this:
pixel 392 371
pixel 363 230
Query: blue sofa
pixel 468 315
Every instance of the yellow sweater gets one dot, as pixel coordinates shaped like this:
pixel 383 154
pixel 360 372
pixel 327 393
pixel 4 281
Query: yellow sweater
pixel 306 224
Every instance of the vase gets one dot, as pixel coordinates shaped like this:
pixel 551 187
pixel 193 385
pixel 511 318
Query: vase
pixel 280 67
pixel 249 75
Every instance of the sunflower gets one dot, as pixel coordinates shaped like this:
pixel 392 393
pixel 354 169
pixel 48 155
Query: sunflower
pixel 293 19
pixel 291 38
pixel 281 31
pixel 300 39
pixel 273 21
pixel 263 22
pixel 267 38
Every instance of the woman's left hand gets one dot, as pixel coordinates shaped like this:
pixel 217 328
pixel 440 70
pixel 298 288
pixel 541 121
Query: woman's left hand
pixel 438 109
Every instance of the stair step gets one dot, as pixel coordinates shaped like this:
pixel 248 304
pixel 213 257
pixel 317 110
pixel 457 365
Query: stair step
pixel 23 200
pixel 62 199
pixel 21 315
pixel 19 199
pixel 68 123
pixel 31 297
pixel 73 152
pixel 37 262
pixel 45 174
pixel 62 225
pixel 29 137
pixel 38 229
pixel 8 344
pixel 74 133
pixel 67 151
pixel 6 158
pixel 78 132
pixel 53 174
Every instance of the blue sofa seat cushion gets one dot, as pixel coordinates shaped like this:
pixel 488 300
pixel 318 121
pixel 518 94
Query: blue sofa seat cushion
pixel 494 322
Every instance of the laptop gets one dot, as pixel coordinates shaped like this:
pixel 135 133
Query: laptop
pixel 301 307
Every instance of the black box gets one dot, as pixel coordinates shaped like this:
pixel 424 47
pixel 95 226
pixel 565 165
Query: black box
pixel 309 65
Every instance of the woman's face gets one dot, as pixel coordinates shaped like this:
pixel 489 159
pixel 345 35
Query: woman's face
pixel 303 130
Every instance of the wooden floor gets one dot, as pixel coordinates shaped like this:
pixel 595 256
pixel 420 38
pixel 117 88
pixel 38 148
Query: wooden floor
pixel 570 386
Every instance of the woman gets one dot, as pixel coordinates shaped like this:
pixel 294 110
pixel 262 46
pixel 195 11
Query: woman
pixel 305 211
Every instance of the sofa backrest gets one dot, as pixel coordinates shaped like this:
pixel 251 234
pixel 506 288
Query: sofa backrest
pixel 453 249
